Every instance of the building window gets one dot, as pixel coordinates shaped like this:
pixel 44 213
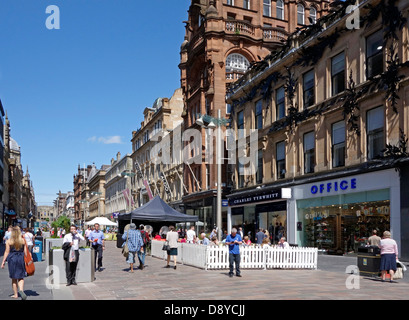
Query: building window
pixel 338 144
pixel 228 108
pixel 259 174
pixel 338 73
pixel 313 15
pixel 300 14
pixel 246 4
pixel 240 124
pixel 308 89
pixel 236 66
pixel 280 103
pixel 259 115
pixel 280 159
pixel 375 132
pixel 230 2
pixel 374 54
pixel 309 152
pixel 280 9
pixel 267 8
pixel 240 175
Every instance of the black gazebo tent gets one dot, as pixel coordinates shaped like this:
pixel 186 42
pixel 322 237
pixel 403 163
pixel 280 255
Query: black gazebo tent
pixel 155 213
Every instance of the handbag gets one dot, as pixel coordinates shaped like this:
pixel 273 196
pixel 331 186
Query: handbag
pixel 398 273
pixel 28 261
pixel 125 249
pixel 166 246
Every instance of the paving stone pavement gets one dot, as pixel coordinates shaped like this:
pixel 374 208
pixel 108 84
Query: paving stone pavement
pixel 188 283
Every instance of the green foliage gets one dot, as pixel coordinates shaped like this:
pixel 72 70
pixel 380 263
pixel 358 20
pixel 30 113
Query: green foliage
pixel 62 222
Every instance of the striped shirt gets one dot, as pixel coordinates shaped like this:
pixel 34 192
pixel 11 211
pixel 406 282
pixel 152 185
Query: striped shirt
pixel 135 241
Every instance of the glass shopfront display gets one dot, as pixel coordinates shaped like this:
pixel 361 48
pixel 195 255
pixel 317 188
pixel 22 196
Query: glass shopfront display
pixel 271 217
pixel 340 224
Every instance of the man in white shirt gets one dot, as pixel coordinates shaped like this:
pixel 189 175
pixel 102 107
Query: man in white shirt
pixel 87 232
pixel 28 236
pixel 71 244
pixel 191 235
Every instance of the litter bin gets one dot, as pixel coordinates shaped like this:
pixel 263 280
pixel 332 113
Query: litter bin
pixel 38 251
pixel 369 260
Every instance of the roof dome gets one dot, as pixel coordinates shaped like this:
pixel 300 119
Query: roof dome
pixel 14 145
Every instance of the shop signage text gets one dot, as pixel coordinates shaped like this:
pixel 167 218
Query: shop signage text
pixel 334 186
pixel 256 198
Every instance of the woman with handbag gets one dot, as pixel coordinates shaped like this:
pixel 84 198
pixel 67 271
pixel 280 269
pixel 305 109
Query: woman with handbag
pixel 14 254
pixel 389 255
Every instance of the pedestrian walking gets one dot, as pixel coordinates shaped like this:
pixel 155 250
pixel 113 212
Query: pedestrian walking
pixel 172 238
pixel 71 254
pixel 133 240
pixel 145 240
pixel 97 239
pixel 14 255
pixel 28 236
pixel 87 232
pixel 7 234
pixel 234 240
pixel 389 255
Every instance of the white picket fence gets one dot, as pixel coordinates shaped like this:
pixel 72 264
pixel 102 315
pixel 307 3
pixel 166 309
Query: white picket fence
pixel 252 257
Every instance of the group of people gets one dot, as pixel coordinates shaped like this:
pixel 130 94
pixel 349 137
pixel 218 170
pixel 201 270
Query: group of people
pixel 389 253
pixel 94 237
pixel 136 239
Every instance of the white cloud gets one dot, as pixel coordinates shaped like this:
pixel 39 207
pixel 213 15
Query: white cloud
pixel 106 140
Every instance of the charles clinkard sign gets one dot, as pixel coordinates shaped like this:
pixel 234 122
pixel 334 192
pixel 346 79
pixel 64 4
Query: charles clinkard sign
pixel 259 197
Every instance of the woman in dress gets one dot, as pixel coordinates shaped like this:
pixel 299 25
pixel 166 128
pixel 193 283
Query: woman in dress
pixel 14 255
pixel 389 255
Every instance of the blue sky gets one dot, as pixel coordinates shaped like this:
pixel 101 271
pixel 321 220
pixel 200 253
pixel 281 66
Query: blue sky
pixel 74 95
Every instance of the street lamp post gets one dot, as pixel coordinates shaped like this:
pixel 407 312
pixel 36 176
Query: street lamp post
pixel 216 123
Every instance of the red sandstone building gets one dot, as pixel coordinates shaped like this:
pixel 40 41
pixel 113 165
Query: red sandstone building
pixel 224 38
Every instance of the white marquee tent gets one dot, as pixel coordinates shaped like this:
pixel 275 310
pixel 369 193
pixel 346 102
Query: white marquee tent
pixel 101 221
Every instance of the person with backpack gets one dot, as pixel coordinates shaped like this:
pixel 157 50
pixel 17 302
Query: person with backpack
pixel 142 253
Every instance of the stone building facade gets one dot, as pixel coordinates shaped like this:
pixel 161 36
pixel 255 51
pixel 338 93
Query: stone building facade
pixel 330 110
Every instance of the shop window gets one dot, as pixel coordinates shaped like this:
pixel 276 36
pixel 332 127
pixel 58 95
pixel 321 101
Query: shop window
pixel 309 152
pixel 280 155
pixel 280 9
pixel 375 132
pixel 374 54
pixel 300 14
pixel 308 89
pixel 259 174
pixel 338 74
pixel 338 144
pixel 280 103
pixel 259 115
pixel 341 224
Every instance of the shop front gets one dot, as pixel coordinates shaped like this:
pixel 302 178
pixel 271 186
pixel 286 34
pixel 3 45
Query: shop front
pixel 260 208
pixel 338 216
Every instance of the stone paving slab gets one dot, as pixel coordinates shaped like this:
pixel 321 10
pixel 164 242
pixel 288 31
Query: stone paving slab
pixel 186 283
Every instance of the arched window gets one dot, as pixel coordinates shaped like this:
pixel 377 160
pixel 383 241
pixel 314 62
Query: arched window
pixel 236 64
pixel 313 15
pixel 300 14
pixel 280 9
